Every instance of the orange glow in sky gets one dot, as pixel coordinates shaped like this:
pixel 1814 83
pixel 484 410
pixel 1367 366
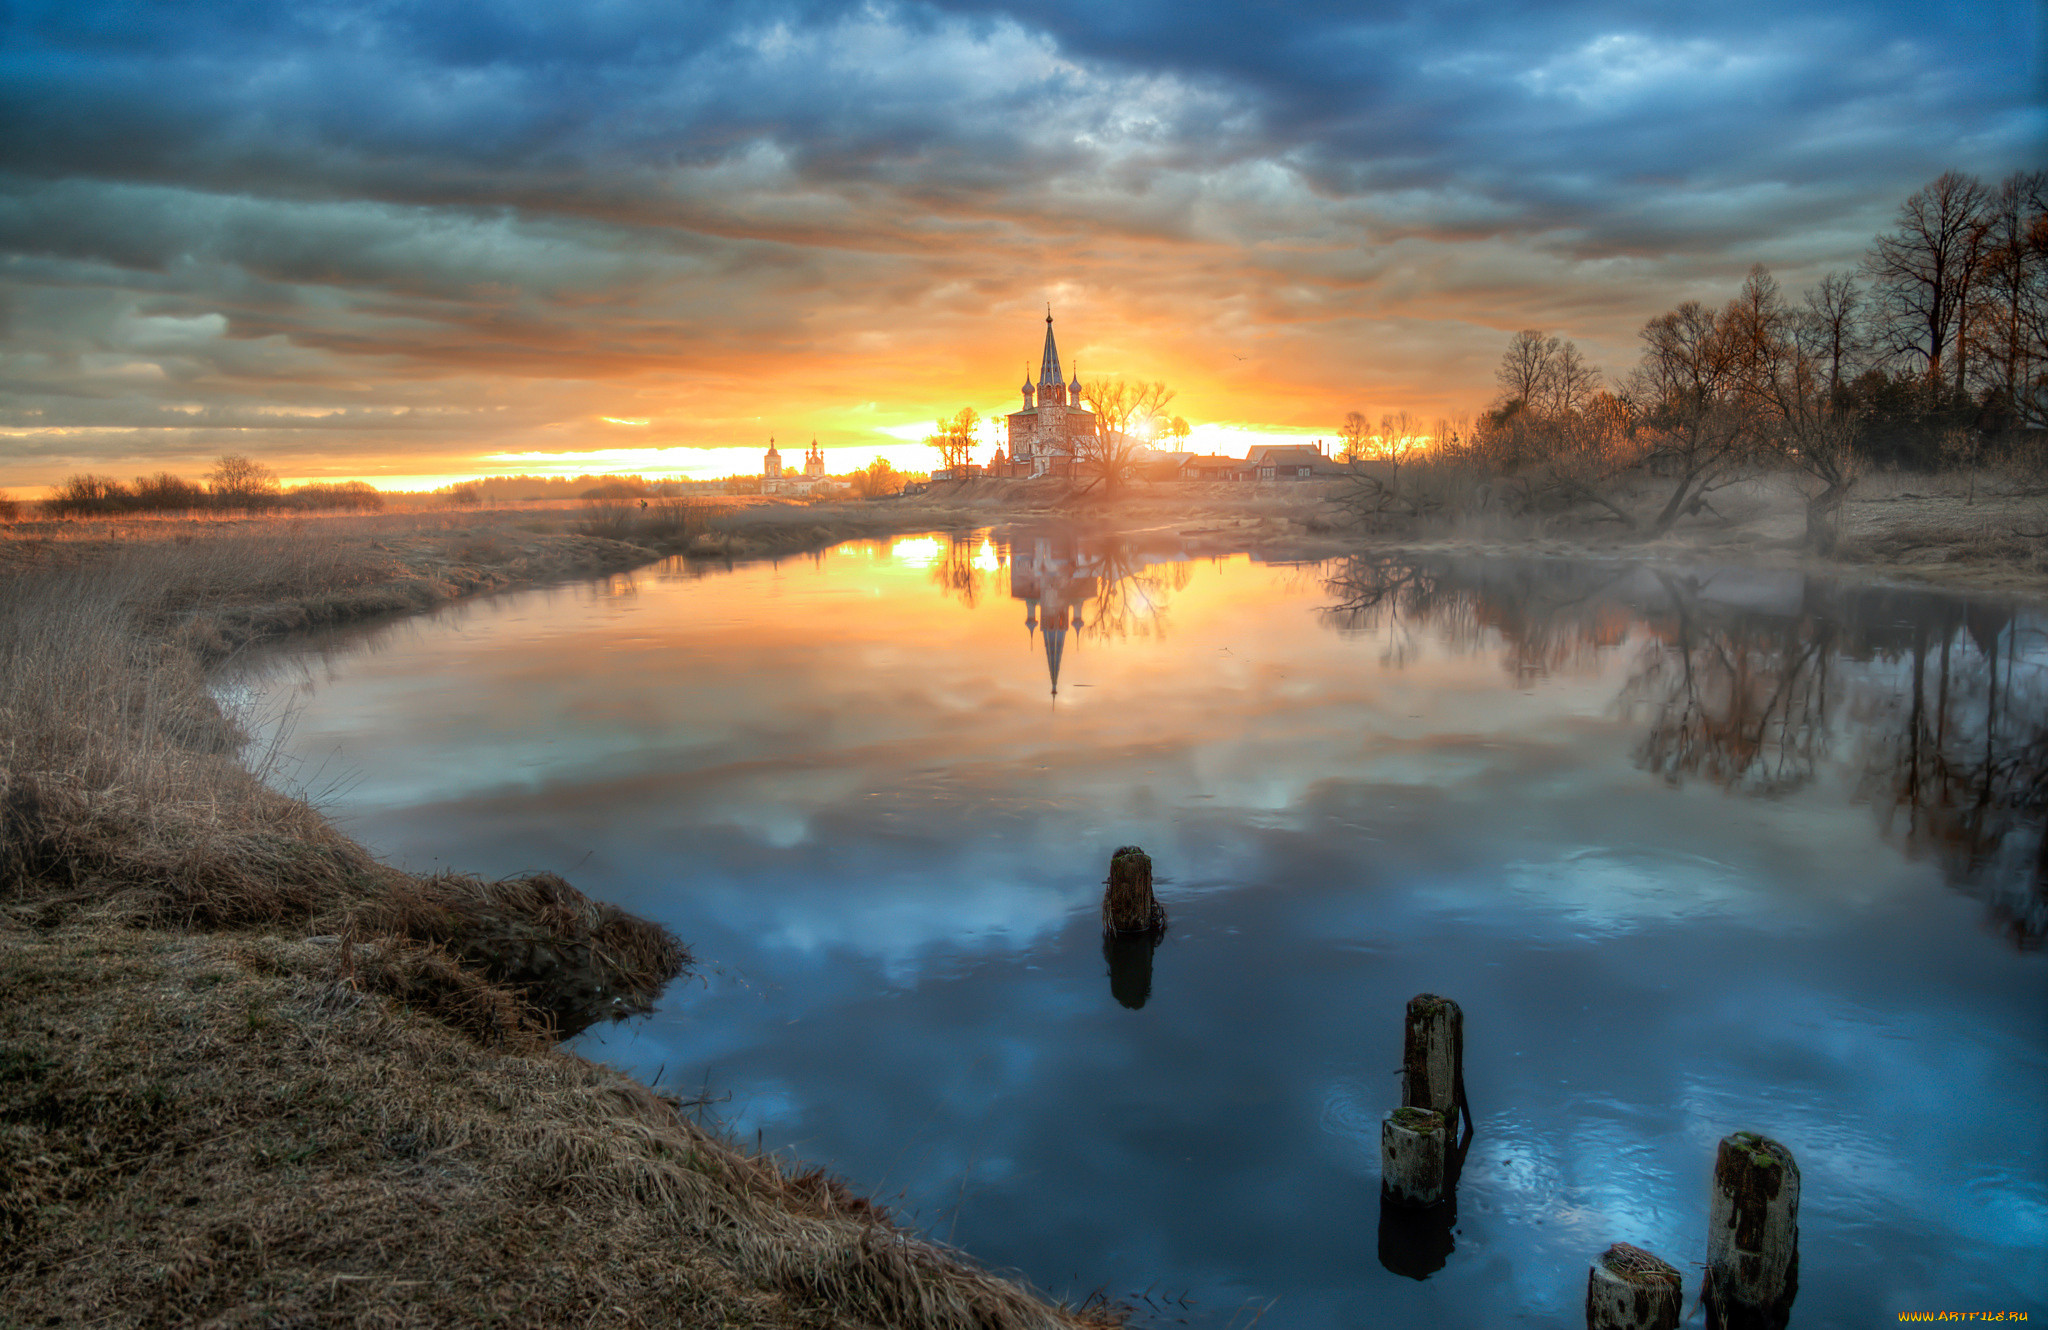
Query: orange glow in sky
pixel 418 243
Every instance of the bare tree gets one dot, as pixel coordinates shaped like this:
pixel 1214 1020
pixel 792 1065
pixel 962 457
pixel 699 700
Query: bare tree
pixel 2008 322
pixel 1572 379
pixel 1687 392
pixel 239 482
pixel 1525 368
pixel 1546 374
pixel 1814 431
pixel 1756 328
pixel 1590 454
pixel 1921 273
pixel 167 492
pixel 954 437
pixel 1830 328
pixel 1357 435
pixel 1524 365
pixel 1367 494
pixel 1123 408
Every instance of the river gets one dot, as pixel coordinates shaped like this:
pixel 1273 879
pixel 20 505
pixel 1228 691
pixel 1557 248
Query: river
pixel 1697 850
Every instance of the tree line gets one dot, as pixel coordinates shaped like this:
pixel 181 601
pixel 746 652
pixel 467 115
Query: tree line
pixel 1933 352
pixel 235 484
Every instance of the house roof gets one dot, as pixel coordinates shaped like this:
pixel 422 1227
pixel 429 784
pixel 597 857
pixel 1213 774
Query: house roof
pixel 1294 455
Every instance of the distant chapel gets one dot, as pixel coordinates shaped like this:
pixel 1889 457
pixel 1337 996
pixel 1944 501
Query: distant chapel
pixel 774 482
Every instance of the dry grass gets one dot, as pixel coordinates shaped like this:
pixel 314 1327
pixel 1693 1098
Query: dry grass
pixel 228 1131
pixel 249 1075
pixel 575 960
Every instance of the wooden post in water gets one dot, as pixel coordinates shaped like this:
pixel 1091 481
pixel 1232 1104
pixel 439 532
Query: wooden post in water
pixel 1752 1235
pixel 1413 1157
pixel 1629 1289
pixel 1127 902
pixel 1433 1060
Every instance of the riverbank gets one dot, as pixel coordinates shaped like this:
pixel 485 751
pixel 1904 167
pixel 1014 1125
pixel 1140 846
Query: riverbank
pixel 1959 532
pixel 250 1075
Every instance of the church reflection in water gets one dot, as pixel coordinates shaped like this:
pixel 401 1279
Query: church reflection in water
pixel 1756 681
pixel 1055 578
pixel 1073 586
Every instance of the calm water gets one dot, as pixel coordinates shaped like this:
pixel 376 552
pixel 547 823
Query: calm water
pixel 1696 850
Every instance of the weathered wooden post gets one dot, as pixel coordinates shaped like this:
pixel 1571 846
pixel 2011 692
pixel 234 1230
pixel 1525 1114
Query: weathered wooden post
pixel 1629 1289
pixel 1412 1157
pixel 1433 1060
pixel 1127 902
pixel 1752 1235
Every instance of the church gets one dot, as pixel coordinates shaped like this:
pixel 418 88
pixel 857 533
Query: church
pixel 1049 434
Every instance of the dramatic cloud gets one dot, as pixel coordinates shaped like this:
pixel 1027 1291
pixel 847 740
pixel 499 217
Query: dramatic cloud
pixel 399 239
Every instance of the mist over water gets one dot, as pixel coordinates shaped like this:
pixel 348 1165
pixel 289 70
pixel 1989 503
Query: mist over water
pixel 1697 850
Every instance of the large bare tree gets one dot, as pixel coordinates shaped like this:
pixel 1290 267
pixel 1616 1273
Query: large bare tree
pixel 1687 394
pixel 2008 322
pixel 1524 370
pixel 1921 274
pixel 241 482
pixel 1124 408
pixel 1546 374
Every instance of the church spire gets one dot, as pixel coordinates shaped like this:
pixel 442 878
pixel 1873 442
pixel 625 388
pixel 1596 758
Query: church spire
pixel 1049 363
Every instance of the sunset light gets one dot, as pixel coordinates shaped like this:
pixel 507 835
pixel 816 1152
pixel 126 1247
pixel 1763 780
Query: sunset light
pixel 918 662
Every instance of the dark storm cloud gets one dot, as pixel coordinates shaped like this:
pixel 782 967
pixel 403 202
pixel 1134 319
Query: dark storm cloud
pixel 1550 115
pixel 381 194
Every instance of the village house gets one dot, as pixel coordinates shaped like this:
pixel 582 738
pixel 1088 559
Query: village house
pixel 1292 462
pixel 1271 462
pixel 1210 466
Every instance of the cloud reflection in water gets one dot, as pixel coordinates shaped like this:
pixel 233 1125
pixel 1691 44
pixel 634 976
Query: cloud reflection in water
pixel 1646 826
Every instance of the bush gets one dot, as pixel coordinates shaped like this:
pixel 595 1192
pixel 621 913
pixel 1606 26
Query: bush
pixel 351 496
pixel 89 495
pixel 608 518
pixel 166 493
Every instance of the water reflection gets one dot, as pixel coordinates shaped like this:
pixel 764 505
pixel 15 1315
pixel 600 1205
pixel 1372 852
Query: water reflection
pixel 1129 956
pixel 1107 586
pixel 1738 679
pixel 1676 843
pixel 1416 1244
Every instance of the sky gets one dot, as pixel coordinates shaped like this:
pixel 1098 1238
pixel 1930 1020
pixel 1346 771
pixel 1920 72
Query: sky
pixel 410 242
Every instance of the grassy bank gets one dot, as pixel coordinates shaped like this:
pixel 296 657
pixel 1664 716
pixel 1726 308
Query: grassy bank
pixel 249 1075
